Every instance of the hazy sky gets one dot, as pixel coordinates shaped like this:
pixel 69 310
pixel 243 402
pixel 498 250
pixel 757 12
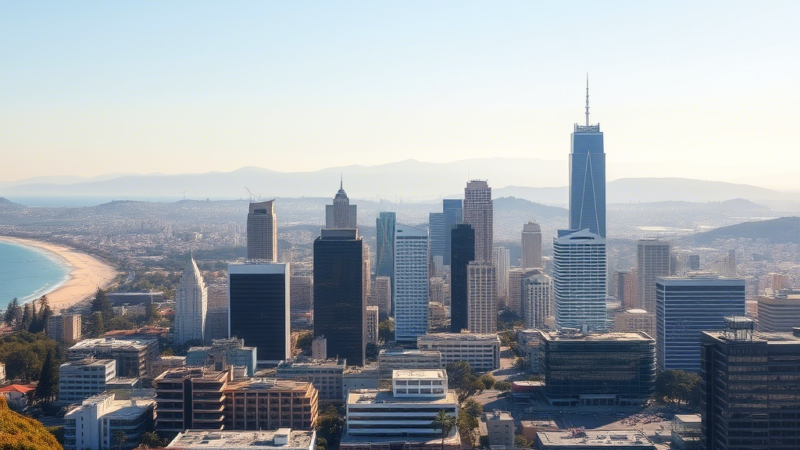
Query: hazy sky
pixel 173 87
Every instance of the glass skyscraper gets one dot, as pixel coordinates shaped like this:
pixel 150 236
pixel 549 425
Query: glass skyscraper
pixel 587 178
pixel 384 227
pixel 451 208
pixel 463 245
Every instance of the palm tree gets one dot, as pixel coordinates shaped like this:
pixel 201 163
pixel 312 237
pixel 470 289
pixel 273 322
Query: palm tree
pixel 443 422
pixel 119 438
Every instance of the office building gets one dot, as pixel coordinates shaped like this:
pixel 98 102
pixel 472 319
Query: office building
pixel 463 251
pixel 379 419
pixel 372 325
pixel 134 357
pixel 2 372
pixel 579 273
pixel 94 424
pixel 779 311
pixel 500 428
pixel 478 213
pixel 451 208
pixel 339 306
pixel 164 363
pixel 587 178
pixel 410 283
pixel 302 294
pixel 537 303
pixel 390 360
pixel 438 290
pixel 281 439
pixel 217 312
pixel 686 432
pixel 625 289
pixel 325 375
pixel 532 246
pixel 515 292
pixel 597 369
pixel 633 320
pixel 262 232
pixel 224 353
pixel 693 262
pixel 269 404
pixel 258 309
pixel 480 351
pixel 79 380
pixel 319 348
pixel 190 397
pixel 687 306
pixel 502 264
pixel 385 226
pixel 750 389
pixel 382 295
pixel 64 327
pixel 580 439
pixel 341 214
pixel 191 305
pixel 361 377
pixel 779 281
pixel 481 297
pixel 437 228
pixel 652 261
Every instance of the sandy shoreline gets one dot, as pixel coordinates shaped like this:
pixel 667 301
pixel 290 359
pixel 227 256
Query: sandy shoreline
pixel 87 273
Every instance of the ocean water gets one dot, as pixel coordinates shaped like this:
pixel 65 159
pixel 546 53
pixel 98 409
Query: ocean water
pixel 27 272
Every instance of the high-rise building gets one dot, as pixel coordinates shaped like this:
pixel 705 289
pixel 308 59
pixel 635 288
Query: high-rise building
pixel 217 313
pixel 537 295
pixel 652 261
pixel 502 264
pixel 410 283
pixel 579 272
pixel 478 213
pixel 625 289
pixel 750 384
pixel 302 295
pixel 532 246
pixel 339 306
pixel 341 214
pixel 64 327
pixel 319 348
pixel 372 325
pixel 258 308
pixel 778 281
pixel 687 306
pixel 385 225
pixel 693 262
pixel 383 296
pixel 587 177
pixel 633 320
pixel 779 311
pixel 515 292
pixel 437 227
pixel 191 305
pixel 481 297
pixel 262 232
pixel 463 251
pixel 451 208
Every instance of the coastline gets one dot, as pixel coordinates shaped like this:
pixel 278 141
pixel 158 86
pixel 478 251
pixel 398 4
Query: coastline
pixel 86 273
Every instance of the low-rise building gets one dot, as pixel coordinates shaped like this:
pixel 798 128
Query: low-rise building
pixel 500 428
pixel 326 375
pixel 64 327
pixel 94 424
pixel 529 428
pixel 480 351
pixel 134 357
pixel 190 397
pixel 578 439
pixel 281 439
pixel 135 298
pixel 269 404
pixel 687 432
pixel 2 372
pixel 164 363
pixel 390 360
pixel 17 394
pixel 224 353
pixel 79 380
pixel 365 377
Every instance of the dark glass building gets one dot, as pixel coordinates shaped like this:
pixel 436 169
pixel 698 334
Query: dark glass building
pixel 751 388
pixel 463 251
pixel 339 304
pixel 258 308
pixel 452 216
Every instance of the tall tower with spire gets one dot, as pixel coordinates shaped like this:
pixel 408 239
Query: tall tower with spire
pixel 191 304
pixel 341 214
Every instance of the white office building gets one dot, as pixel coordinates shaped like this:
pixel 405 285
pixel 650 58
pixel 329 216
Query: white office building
pixel 79 380
pixel 191 305
pixel 537 300
pixel 481 297
pixel 579 273
pixel 502 264
pixel 480 351
pixel 93 424
pixel 410 283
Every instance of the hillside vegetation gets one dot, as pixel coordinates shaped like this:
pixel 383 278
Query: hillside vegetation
pixel 18 432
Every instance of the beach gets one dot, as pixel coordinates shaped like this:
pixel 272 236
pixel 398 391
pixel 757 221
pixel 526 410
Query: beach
pixel 87 273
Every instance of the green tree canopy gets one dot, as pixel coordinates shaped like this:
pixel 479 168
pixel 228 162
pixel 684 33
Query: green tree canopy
pixel 47 389
pixel 678 387
pixel 386 330
pixel 330 425
pixel 102 304
pixel 444 422
pixel 304 340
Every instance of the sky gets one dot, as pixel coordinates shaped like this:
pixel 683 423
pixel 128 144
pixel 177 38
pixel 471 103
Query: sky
pixel 697 89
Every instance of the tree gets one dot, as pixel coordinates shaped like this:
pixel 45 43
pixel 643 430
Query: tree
pixel 47 389
pixel 467 426
pixel 151 439
pixel 386 330
pixel 462 379
pixel 45 313
pixel 322 443
pixel 102 304
pixel 521 441
pixel 330 424
pixel 444 422
pixel 27 318
pixel 678 386
pixel 151 314
pixel 119 438
pixel 487 380
pixel 503 386
pixel 95 327
pixel 13 314
pixel 304 340
pixel 472 408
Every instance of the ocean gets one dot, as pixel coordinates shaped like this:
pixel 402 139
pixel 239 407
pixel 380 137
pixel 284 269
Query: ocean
pixel 27 272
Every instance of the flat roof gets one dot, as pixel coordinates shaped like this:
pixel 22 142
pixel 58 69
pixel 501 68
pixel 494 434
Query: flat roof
pixel 386 352
pixel 89 362
pixel 114 343
pixel 204 439
pixel 406 374
pixel 595 438
pixel 497 415
pixel 375 396
pixel 459 337
pixel 689 418
pixel 268 384
pixel 595 337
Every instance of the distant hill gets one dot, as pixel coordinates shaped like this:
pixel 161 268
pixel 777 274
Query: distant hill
pixel 513 205
pixel 783 230
pixel 6 203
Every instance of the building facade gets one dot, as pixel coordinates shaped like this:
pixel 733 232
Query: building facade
pixel 383 296
pixel 463 251
pixel 451 208
pixel 633 320
pixel 190 397
pixel 134 357
pixel 224 353
pixel 579 274
pixel 652 261
pixel 302 293
pixel 500 428
pixel 625 289
pixel 262 232
pixel 326 375
pixel 372 325
pixel 481 297
pixel 515 293
pixel 410 283
pixel 479 214
pixel 532 246
pixel 191 305
pixel 79 380
pixel 587 177
pixel 385 226
pixel 537 300
pixel 779 311
pixel 390 360
pixel 94 424
pixel 269 404
pixel 502 264
pixel 480 351
pixel 341 214
pixel 64 327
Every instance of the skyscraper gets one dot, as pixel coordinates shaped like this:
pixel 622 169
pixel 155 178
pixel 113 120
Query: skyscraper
pixel 587 177
pixel 262 232
pixel 191 305
pixel 339 306
pixel 537 298
pixel 652 261
pixel 625 284
pixel 437 229
pixel 515 292
pixel 532 246
pixel 259 308
pixel 502 264
pixel 411 283
pixel 383 296
pixel 579 272
pixel 463 251
pixel 385 226
pixel 687 306
pixel 341 214
pixel 481 297
pixel 451 208
pixel 478 212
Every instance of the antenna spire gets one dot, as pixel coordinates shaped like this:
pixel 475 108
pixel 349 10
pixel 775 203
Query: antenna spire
pixel 341 181
pixel 587 99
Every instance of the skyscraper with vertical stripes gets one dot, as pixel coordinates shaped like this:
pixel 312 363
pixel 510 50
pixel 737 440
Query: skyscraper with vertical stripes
pixel 587 177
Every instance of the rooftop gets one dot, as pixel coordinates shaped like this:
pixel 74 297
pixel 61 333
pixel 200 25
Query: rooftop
pixel 595 438
pixel 118 409
pixel 375 396
pixel 497 415
pixel 636 311
pixel 88 362
pixel 688 418
pixel 268 384
pixel 459 337
pixel 213 440
pixel 114 343
pixel 391 352
pixel 595 337
pixel 418 374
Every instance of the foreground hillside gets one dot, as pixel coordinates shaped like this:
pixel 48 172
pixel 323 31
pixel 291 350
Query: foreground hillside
pixel 18 432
